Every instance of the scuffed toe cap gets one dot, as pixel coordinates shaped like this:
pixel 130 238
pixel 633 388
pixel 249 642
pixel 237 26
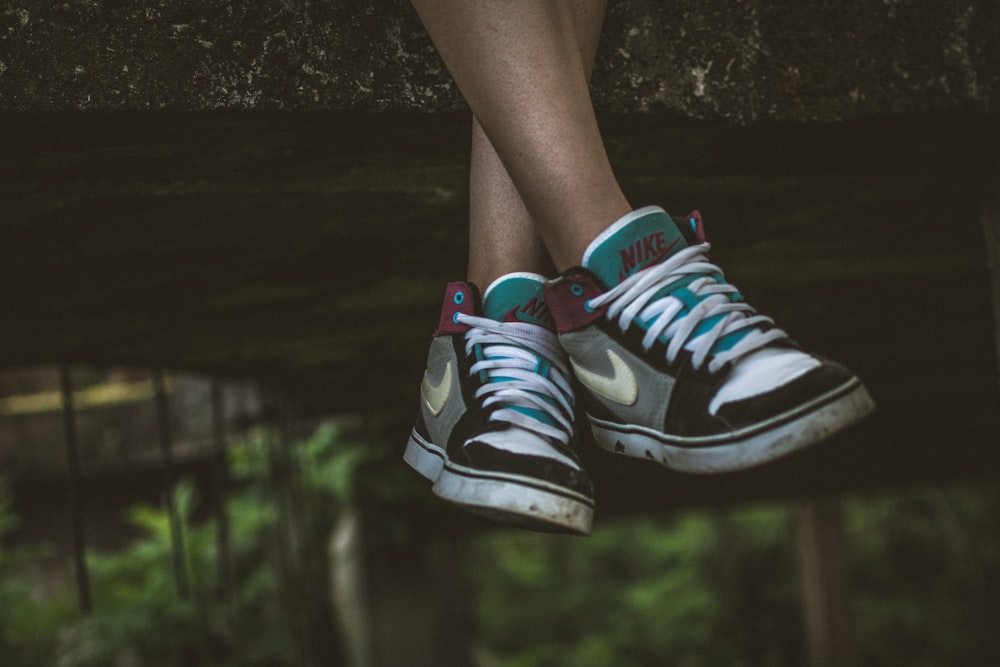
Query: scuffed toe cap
pixel 513 451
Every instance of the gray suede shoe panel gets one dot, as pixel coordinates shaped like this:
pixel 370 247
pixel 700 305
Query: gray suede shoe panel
pixel 616 378
pixel 441 409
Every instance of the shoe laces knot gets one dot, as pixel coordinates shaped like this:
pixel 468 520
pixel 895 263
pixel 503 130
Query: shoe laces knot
pixel 526 375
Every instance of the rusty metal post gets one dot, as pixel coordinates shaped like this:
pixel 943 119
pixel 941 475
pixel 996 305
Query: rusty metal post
pixel 75 496
pixel 220 484
pixel 167 481
pixel 826 593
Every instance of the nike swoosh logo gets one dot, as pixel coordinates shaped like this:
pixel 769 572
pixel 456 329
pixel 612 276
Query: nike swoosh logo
pixel 663 253
pixel 436 395
pixel 620 387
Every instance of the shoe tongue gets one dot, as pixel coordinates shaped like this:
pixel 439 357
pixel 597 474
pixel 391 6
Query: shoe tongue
pixel 643 237
pixel 518 297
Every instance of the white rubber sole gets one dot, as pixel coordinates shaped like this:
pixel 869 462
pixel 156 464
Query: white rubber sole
pixel 423 456
pixel 523 501
pixel 749 447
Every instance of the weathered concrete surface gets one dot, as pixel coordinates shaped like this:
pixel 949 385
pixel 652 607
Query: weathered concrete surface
pixel 736 60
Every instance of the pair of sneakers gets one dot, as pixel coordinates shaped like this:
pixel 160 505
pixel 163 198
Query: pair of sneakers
pixel 672 365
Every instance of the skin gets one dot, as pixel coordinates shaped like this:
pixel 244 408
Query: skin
pixel 541 186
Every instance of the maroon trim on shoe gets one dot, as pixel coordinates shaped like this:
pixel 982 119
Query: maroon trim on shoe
pixel 459 297
pixel 567 297
pixel 699 228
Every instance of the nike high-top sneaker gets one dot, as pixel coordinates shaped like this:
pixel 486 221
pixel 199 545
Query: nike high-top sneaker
pixel 495 427
pixel 676 367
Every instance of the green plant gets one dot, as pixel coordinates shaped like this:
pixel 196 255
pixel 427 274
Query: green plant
pixel 29 624
pixel 285 499
pixel 635 593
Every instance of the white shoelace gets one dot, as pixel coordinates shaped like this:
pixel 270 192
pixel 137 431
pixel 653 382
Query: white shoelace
pixel 515 352
pixel 637 296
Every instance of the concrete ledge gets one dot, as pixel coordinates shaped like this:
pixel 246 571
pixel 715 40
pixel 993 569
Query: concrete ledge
pixel 734 60
pixel 309 251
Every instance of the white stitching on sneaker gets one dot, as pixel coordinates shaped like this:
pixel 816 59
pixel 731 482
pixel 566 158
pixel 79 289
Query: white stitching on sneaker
pixel 636 296
pixel 515 351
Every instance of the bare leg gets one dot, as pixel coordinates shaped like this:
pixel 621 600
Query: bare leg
pixel 522 69
pixel 502 235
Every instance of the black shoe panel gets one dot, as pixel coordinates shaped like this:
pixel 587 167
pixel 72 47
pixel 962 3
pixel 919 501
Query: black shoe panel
pixel 800 393
pixel 687 414
pixel 482 457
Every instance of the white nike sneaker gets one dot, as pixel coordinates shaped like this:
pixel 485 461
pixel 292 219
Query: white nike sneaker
pixel 676 367
pixel 495 427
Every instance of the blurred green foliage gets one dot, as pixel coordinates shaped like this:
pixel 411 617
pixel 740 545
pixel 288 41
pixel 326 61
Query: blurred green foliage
pixel 27 628
pixel 638 592
pixel 283 503
pixel 926 574
pixel 715 587
pixel 721 587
